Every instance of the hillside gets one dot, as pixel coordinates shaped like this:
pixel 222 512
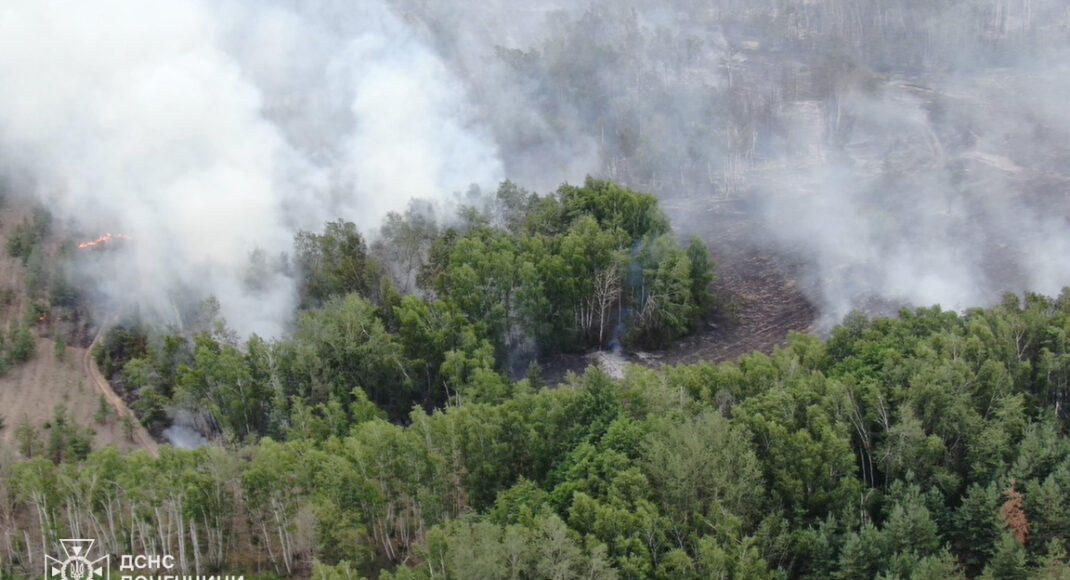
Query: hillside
pixel 30 391
pixel 535 289
pixel 930 446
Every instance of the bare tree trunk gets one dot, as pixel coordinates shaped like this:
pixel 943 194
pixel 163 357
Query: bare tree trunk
pixel 40 504
pixel 180 522
pixel 29 551
pixel 109 513
pixel 280 525
pixel 196 548
pixel 72 518
pixel 267 542
pixel 606 290
pixel 220 552
pixel 100 533
pixel 160 531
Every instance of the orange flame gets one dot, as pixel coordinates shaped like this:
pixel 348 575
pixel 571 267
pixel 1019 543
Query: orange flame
pixel 42 318
pixel 102 240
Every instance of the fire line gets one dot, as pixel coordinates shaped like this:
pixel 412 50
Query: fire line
pixel 102 240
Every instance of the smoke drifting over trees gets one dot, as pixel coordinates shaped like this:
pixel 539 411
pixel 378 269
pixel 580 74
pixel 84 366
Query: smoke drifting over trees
pixel 206 130
pixel 904 151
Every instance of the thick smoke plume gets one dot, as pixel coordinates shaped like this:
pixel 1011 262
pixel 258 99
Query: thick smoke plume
pixel 902 152
pixel 205 130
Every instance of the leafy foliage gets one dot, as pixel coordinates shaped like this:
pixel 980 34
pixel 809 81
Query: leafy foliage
pixel 334 263
pixel 387 437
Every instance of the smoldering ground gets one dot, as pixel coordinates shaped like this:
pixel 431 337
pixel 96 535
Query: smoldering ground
pixel 901 152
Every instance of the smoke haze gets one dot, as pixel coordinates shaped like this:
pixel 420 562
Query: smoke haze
pixel 204 131
pixel 900 151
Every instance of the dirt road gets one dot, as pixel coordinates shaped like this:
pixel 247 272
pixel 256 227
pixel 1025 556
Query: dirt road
pixel 141 436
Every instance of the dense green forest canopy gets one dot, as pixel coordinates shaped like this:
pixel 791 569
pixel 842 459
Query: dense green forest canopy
pixel 391 436
pixel 432 315
pixel 929 446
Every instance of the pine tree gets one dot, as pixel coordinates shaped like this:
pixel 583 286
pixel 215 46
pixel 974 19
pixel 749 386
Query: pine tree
pixel 1009 561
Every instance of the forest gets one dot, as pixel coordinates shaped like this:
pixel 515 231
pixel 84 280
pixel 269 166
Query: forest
pixel 356 359
pixel 426 316
pixel 402 430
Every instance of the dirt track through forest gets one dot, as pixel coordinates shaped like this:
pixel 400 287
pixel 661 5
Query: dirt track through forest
pixel 141 436
pixel 54 379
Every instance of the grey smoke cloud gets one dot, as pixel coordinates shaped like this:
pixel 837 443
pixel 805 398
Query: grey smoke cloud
pixel 206 130
pixel 905 153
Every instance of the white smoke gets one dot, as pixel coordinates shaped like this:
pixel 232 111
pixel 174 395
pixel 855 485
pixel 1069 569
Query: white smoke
pixel 181 433
pixel 207 130
pixel 901 153
pixel 914 213
pixel 911 154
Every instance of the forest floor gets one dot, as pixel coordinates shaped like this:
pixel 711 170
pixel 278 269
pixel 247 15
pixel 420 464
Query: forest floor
pixel 759 303
pixel 140 435
pixel 32 390
pixel 760 298
pixel 759 293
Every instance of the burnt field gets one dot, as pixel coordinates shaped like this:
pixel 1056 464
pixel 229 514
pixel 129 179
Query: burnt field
pixel 760 303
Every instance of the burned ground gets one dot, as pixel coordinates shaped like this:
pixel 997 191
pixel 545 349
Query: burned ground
pixel 761 293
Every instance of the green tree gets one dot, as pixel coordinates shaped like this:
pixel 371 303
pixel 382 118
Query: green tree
pixel 219 386
pixel 1055 565
pixel 28 438
pixel 977 527
pixel 664 299
pixel 557 554
pixel 334 263
pixel 404 244
pixel 1008 561
pixel 21 343
pixel 702 269
pixel 615 207
pixel 344 345
pixel 273 486
pixel 938 567
pixel 703 470
pixel 59 347
pixel 862 555
pixel 802 442
pixel 127 424
pixel 100 416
